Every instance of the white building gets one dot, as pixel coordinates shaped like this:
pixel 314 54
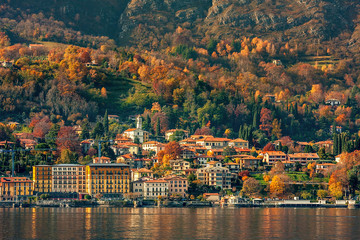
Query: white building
pixel 137 133
pixel 156 188
pixel 68 178
pixel 153 146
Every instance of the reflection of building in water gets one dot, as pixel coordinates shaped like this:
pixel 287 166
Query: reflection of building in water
pixel 34 220
pixel 88 214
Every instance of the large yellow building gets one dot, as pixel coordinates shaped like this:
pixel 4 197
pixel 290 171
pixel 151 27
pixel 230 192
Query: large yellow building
pixel 42 177
pixel 110 180
pixel 15 188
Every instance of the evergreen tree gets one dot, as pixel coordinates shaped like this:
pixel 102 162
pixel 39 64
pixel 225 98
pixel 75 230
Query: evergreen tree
pixel 147 123
pixel 157 132
pixel 98 130
pixel 106 123
pixel 85 126
pixel 335 147
pixel 255 119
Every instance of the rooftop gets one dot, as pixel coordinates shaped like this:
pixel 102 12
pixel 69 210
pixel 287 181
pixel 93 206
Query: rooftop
pixel 108 165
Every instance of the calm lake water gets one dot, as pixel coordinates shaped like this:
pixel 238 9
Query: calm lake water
pixel 179 223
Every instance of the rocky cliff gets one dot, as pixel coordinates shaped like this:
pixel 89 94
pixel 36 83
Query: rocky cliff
pixel 131 21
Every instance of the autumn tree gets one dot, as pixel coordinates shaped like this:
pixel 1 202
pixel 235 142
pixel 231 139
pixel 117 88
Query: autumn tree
pixel 203 131
pixel 173 150
pixel 68 139
pixel 67 156
pixel 269 147
pixel 322 193
pixel 266 120
pixel 277 169
pixel 278 185
pixel 251 187
pixel 42 127
pixel 4 40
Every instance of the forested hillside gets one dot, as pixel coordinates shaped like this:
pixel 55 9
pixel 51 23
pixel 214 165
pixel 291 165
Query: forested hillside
pixel 255 69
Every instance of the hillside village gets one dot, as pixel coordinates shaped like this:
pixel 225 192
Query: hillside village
pixel 176 166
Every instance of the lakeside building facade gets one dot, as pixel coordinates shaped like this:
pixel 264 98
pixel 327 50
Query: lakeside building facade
pixel 215 175
pixel 42 179
pixel 112 179
pixel 15 188
pixel 68 178
pixel 156 188
pixel 177 185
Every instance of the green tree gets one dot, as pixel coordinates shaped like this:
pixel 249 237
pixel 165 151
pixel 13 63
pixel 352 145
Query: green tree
pixel 106 123
pixel 98 130
pixel 158 127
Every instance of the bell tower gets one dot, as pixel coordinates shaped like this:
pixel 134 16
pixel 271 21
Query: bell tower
pixel 139 122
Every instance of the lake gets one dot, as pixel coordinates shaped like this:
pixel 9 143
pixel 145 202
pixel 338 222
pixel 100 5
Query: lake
pixel 179 223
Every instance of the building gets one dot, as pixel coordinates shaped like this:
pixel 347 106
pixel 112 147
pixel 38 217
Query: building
pixel 137 174
pixel 110 180
pixel 69 178
pixel 15 188
pixel 187 153
pixel 240 143
pixel 215 175
pixel 156 188
pixel 321 168
pixel 153 146
pixel 101 160
pixel 328 145
pixel 233 167
pixel 137 133
pixel 248 162
pixel 180 134
pixel 213 143
pixel 177 185
pixel 204 159
pixel 179 166
pixel 303 158
pixel 42 179
pixel 116 118
pixel 333 102
pixel 271 157
pixel 138 188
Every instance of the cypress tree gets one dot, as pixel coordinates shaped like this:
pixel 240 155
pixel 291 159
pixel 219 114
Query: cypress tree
pixel 335 148
pixel 255 122
pixel 157 133
pixel 106 123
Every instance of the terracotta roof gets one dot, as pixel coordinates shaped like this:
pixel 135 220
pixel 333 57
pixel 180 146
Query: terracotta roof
pixel 130 130
pixel 324 142
pixel 104 158
pixel 326 164
pixel 274 153
pixel 212 139
pixel 242 149
pixel 304 155
pixel 156 181
pixel 15 179
pixel 232 163
pixel 152 142
pixel 211 194
pixel 239 140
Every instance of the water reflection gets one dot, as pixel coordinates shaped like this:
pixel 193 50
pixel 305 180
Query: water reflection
pixel 179 223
